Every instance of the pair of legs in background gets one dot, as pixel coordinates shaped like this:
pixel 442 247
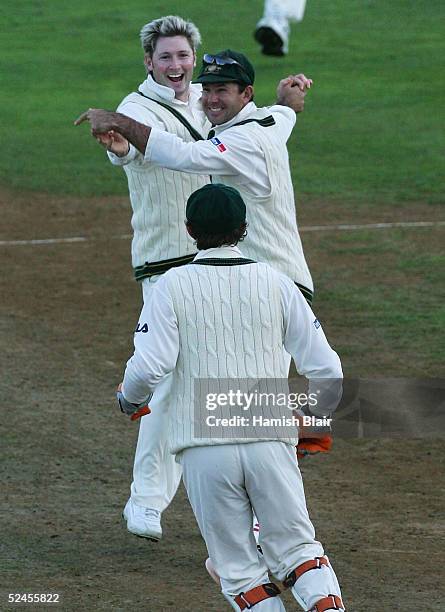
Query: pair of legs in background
pixel 272 30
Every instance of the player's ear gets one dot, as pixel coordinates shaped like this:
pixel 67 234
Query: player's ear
pixel 248 92
pixel 189 228
pixel 148 62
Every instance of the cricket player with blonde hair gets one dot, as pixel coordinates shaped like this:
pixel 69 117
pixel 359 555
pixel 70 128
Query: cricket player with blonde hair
pixel 169 103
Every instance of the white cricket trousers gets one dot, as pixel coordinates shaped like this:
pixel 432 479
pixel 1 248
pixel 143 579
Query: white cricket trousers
pixel 284 9
pixel 225 483
pixel 156 474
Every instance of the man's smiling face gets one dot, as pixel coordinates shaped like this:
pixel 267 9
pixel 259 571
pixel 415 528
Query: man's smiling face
pixel 222 101
pixel 172 64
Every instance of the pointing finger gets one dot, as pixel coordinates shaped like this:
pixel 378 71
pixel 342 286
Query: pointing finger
pixel 83 117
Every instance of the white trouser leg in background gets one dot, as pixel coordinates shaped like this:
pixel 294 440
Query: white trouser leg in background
pixel 156 474
pixel 284 9
pixel 223 483
pixel 273 29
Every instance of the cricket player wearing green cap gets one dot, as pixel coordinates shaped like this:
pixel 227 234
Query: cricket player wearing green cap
pixel 227 317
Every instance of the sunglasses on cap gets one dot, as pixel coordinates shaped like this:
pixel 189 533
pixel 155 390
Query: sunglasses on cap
pixel 220 61
pixel 208 58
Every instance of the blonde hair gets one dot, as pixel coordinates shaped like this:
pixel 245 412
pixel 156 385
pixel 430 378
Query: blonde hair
pixel 171 25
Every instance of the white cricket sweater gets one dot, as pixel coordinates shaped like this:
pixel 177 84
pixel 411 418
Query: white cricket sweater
pixel 158 196
pixel 253 159
pixel 230 326
pixel 222 322
pixel 272 234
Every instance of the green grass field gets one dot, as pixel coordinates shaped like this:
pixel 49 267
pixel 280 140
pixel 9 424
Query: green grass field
pixel 367 145
pixel 372 125
pixel 368 149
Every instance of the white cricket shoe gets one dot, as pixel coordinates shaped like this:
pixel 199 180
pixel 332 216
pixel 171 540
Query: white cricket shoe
pixel 273 36
pixel 143 522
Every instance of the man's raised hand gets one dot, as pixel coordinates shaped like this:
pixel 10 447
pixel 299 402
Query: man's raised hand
pixel 101 121
pixel 119 128
pixel 291 91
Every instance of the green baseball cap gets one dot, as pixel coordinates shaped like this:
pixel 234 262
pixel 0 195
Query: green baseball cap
pixel 215 209
pixel 226 66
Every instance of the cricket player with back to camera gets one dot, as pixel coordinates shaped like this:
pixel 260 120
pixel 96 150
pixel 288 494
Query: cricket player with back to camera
pixel 225 316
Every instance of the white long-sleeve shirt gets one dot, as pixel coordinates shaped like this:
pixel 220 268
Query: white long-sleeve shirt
pixel 233 152
pixel 159 346
pixel 253 158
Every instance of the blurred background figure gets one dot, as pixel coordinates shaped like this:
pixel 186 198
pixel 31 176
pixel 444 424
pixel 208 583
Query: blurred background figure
pixel 272 30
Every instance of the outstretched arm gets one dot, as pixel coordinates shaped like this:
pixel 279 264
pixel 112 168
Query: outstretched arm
pixel 103 122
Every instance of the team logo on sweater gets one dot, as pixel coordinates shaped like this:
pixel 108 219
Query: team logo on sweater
pixel 317 323
pixel 218 144
pixel 141 328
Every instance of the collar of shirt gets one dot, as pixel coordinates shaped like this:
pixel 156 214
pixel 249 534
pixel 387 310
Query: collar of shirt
pixel 243 114
pixel 151 88
pixel 224 252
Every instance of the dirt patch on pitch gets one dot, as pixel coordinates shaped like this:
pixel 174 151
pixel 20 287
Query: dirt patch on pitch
pixel 66 319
